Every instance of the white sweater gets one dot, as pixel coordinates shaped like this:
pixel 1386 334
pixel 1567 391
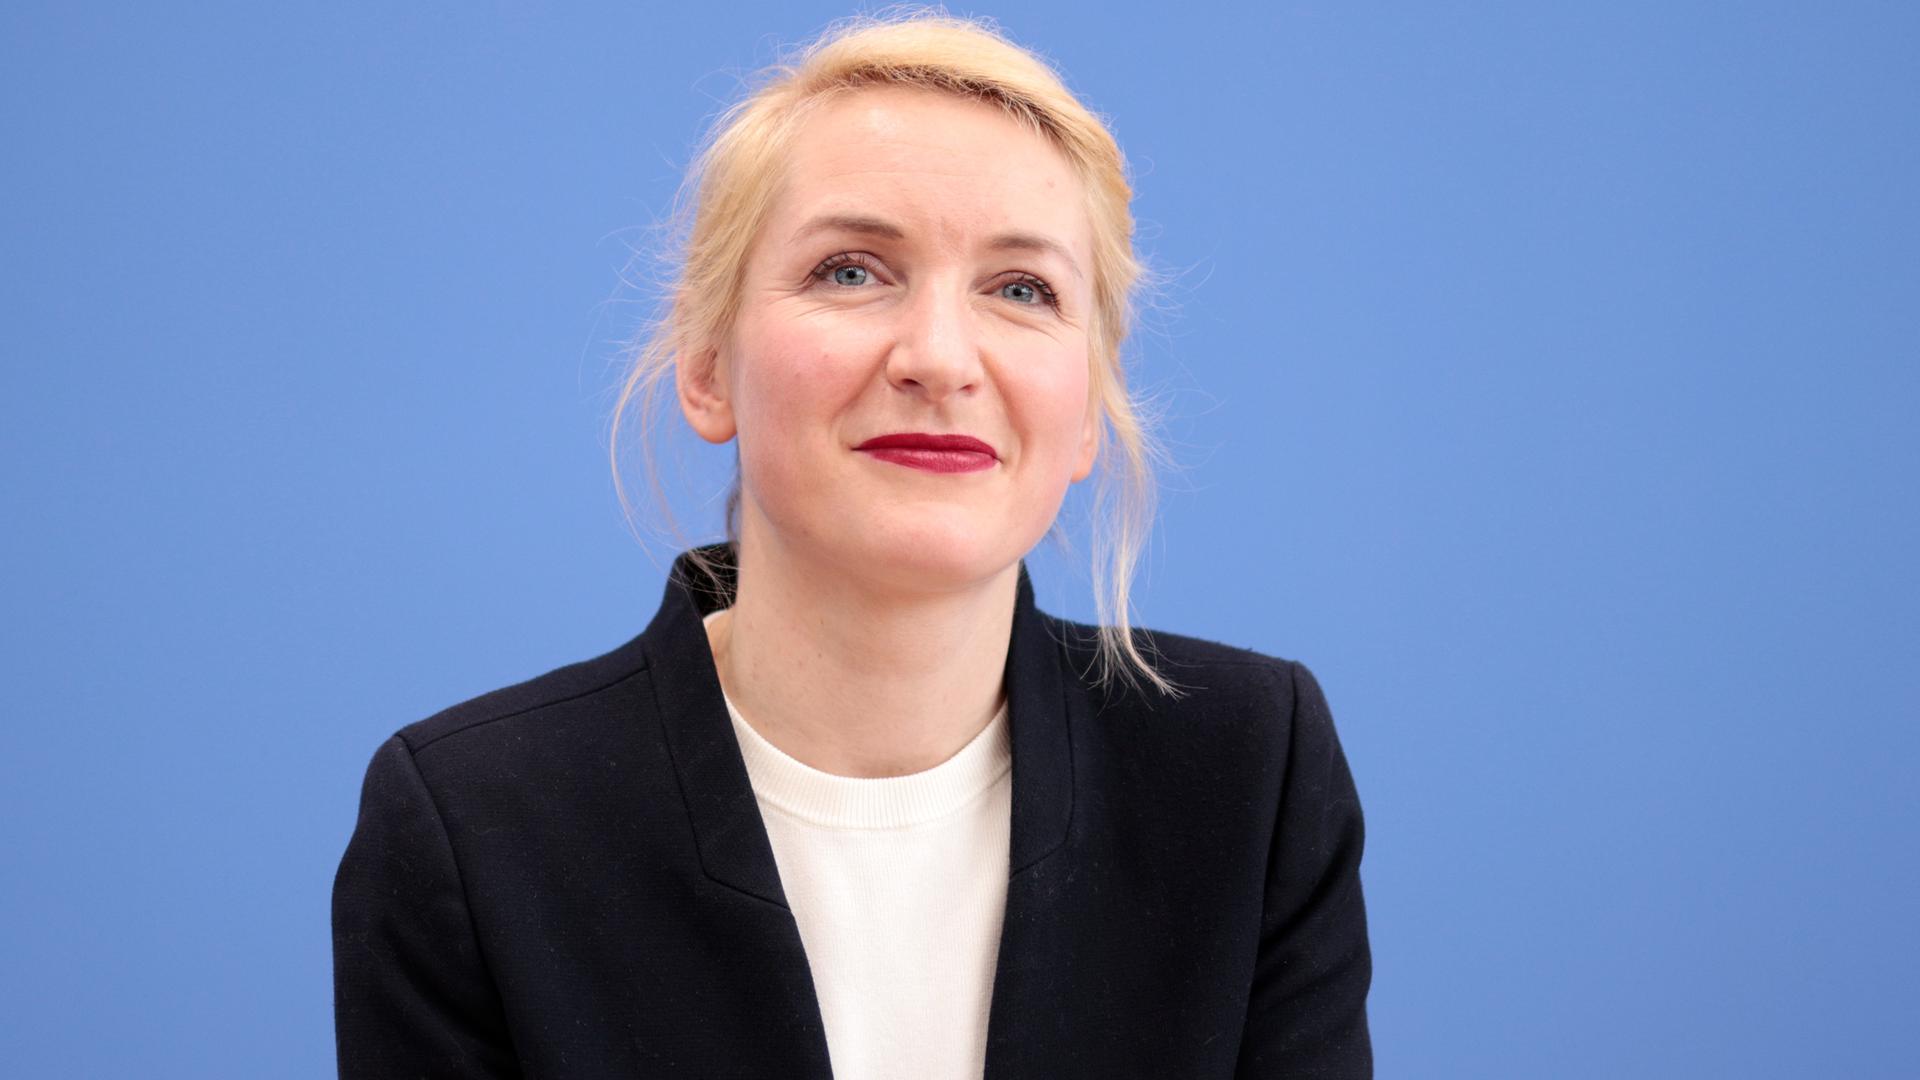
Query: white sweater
pixel 898 885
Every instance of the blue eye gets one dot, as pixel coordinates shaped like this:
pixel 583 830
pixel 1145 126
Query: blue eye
pixel 1030 291
pixel 850 275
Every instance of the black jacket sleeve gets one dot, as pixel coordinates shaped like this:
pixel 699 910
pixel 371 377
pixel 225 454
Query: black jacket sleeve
pixel 1307 1016
pixel 412 996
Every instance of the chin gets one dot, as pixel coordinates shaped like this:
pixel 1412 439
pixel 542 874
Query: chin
pixel 922 554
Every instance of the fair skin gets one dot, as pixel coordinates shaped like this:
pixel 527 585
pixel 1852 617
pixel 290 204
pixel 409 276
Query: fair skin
pixel 904 281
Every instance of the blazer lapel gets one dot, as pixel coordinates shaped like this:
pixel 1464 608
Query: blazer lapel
pixel 733 844
pixel 1032 967
pixel 789 1039
pixel 732 839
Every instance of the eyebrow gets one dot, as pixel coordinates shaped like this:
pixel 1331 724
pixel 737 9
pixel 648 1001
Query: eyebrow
pixel 886 230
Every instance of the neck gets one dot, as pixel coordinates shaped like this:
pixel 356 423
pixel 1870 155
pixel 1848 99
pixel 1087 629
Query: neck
pixel 856 680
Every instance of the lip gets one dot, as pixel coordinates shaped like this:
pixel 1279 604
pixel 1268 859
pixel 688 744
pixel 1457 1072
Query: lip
pixel 933 453
pixel 920 441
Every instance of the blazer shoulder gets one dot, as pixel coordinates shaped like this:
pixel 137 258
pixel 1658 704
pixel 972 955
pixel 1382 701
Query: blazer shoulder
pixel 581 679
pixel 1177 654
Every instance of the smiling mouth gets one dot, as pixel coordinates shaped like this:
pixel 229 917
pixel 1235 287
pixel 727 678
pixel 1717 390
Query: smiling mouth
pixel 932 453
pixel 929 460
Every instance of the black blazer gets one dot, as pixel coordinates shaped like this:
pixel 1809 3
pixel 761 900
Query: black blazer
pixel 570 877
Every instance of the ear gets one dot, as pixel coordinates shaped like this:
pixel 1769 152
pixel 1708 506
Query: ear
pixel 1089 444
pixel 700 380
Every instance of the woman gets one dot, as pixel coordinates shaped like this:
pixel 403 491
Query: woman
pixel 851 805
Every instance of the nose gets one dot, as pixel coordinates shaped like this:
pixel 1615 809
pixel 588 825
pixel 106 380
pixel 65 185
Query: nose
pixel 936 351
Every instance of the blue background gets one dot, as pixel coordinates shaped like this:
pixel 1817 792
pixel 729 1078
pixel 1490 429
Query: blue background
pixel 1544 376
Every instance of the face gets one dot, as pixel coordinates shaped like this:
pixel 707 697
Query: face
pixel 923 270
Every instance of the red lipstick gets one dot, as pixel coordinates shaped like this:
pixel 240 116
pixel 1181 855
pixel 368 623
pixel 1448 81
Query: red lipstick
pixel 933 453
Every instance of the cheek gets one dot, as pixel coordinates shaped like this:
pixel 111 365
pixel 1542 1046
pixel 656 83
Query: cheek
pixel 1055 403
pixel 777 364
pixel 794 378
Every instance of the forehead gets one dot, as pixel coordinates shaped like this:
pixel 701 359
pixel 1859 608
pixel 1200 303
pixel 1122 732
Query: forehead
pixel 934 162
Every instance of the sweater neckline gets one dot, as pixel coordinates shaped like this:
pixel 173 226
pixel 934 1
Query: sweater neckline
pixel 832 801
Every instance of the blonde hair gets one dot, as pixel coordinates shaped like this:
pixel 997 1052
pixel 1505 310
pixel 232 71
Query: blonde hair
pixel 732 184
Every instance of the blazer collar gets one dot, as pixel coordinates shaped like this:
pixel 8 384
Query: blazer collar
pixel 731 837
